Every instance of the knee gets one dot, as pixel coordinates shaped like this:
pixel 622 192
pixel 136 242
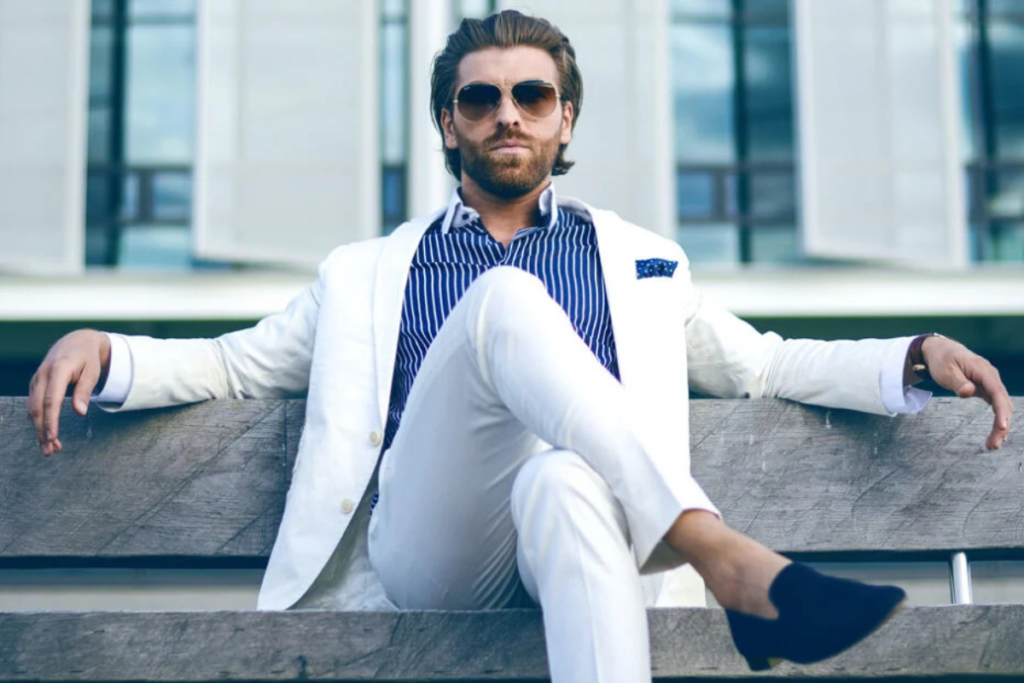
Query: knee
pixel 555 480
pixel 505 293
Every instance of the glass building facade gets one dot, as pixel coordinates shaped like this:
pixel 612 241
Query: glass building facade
pixel 736 157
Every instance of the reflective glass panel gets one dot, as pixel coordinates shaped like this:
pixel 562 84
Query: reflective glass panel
pixel 772 195
pixel 97 245
pixel 477 9
pixel 769 93
pixel 155 247
pixel 393 197
pixel 160 101
pixel 99 135
pixel 101 58
pixel 172 196
pixel 393 92
pixel 130 198
pixel 774 244
pixel 710 245
pixel 102 9
pixel 997 581
pixel 703 81
pixel 1006 41
pixel 695 194
pixel 147 9
pixel 97 197
pixel 1006 194
pixel 767 9
pixel 1007 242
pixel 1013 8
pixel 713 8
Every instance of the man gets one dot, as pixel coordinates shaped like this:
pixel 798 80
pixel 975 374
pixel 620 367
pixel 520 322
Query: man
pixel 544 442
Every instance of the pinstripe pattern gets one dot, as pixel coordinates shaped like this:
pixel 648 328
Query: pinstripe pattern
pixel 563 255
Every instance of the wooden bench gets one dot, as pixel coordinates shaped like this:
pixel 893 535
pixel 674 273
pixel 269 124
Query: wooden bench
pixel 204 486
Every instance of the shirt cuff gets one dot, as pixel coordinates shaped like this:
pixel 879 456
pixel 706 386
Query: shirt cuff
pixel 120 373
pixel 897 398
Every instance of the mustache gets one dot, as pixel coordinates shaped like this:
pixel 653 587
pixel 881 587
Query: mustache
pixel 508 135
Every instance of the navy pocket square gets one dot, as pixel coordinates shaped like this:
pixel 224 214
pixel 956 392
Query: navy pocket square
pixel 655 267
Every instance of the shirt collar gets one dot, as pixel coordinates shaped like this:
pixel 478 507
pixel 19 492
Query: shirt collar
pixel 459 215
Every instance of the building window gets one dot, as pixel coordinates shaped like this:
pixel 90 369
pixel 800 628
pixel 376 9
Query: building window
pixel 991 42
pixel 141 133
pixel 394 105
pixel 473 9
pixel 734 127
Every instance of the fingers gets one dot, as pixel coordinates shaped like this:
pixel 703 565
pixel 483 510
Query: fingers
pixel 1002 406
pixel 87 381
pixel 61 375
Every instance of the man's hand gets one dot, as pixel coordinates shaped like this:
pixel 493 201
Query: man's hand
pixel 955 367
pixel 81 358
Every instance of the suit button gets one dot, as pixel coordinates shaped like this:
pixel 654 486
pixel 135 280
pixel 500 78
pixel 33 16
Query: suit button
pixel 347 506
pixel 374 438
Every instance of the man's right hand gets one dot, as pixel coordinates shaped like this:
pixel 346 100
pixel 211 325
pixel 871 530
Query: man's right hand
pixel 82 359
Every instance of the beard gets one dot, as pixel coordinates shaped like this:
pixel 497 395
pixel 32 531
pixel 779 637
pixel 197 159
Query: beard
pixel 508 175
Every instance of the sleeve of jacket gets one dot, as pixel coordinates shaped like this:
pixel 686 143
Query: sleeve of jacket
pixel 728 358
pixel 269 360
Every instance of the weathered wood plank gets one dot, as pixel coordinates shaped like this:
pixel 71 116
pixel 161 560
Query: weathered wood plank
pixel 205 480
pixel 459 646
pixel 209 480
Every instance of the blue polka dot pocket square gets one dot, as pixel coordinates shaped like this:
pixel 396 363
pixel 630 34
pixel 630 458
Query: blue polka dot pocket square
pixel 655 267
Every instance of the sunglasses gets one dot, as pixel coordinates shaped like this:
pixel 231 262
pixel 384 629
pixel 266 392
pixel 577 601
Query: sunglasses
pixel 477 101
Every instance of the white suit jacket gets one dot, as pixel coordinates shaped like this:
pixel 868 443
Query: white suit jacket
pixel 337 341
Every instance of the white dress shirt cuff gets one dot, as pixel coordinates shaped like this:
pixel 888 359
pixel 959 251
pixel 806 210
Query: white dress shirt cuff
pixel 896 397
pixel 119 375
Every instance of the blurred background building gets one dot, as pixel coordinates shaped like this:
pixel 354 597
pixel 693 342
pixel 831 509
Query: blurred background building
pixel 833 168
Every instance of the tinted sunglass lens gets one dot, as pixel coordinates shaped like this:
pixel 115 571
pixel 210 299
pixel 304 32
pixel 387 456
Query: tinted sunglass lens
pixel 536 99
pixel 477 100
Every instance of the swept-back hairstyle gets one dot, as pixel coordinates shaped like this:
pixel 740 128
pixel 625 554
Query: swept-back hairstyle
pixel 504 29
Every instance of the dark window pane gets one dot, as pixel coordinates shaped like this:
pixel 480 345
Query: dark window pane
pixel 732 194
pixel 97 198
pixel 101 64
pixel 172 196
pixel 130 198
pixel 695 195
pixel 99 135
pixel 776 10
pixel 97 246
pixel 393 194
pixel 772 195
pixel 102 9
pixel 1007 50
pixel 160 94
pixel 155 247
pixel 710 245
pixel 769 93
pixel 1008 242
pixel 1006 194
pixel 774 244
pixel 703 82
pixel 712 8
pixel 148 9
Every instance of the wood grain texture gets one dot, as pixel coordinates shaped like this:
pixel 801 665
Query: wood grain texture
pixel 460 646
pixel 209 480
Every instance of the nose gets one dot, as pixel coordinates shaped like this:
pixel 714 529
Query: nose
pixel 507 114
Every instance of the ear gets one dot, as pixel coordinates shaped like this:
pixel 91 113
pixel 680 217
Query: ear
pixel 567 113
pixel 448 126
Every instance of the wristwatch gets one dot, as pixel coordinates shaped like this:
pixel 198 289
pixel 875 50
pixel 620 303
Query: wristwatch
pixel 916 355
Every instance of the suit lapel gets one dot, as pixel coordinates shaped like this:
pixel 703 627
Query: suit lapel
pixel 388 297
pixel 618 262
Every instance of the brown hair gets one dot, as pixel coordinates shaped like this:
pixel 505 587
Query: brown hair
pixel 505 29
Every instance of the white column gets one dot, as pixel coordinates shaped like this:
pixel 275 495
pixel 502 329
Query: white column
pixel 430 185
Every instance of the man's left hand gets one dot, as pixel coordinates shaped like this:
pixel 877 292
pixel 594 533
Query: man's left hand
pixel 955 367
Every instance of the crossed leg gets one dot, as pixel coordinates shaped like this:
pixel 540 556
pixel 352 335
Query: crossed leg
pixel 518 449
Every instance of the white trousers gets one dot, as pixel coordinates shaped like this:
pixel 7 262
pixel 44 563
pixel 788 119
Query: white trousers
pixel 519 451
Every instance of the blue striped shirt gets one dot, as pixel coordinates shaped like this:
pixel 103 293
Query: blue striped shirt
pixel 457 249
